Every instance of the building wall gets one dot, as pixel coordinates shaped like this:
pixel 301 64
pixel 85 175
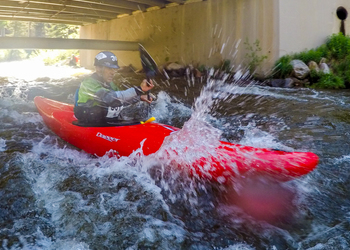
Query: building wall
pixel 206 32
pixel 306 24
pixel 211 31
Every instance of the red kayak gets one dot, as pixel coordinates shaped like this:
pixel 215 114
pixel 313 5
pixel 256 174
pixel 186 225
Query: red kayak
pixel 225 162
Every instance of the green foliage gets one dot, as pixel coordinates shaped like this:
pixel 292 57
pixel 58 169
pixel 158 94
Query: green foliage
pixel 12 55
pixel 54 57
pixel 337 52
pixel 254 59
pixel 311 55
pixel 338 46
pixel 202 68
pixel 62 31
pixel 225 66
pixel 283 68
pixel 342 68
pixel 2 24
pixel 33 29
pixel 38 29
pixel 314 76
pixel 17 28
pixel 329 81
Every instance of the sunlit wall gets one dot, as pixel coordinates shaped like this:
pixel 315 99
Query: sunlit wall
pixel 208 32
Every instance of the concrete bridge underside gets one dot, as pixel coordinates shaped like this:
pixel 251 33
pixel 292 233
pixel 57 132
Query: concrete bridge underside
pixel 77 12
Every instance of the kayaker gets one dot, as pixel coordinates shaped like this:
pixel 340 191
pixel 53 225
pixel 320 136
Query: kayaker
pixel 99 100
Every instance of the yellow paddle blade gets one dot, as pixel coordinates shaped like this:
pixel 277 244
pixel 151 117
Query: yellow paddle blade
pixel 149 120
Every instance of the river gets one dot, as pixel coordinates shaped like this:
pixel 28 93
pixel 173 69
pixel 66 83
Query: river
pixel 54 196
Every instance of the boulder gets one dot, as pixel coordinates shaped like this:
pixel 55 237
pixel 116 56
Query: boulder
pixel 282 83
pixel 300 83
pixel 174 66
pixel 175 69
pixel 197 73
pixel 323 60
pixel 288 83
pixel 313 66
pixel 324 68
pixel 300 69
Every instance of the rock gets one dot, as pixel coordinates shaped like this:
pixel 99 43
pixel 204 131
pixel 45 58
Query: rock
pixel 3 80
pixel 174 66
pixel 175 69
pixel 197 73
pixel 43 79
pixel 323 60
pixel 313 66
pixel 300 69
pixel 277 83
pixel 288 83
pixel 282 83
pixel 324 68
pixel 300 83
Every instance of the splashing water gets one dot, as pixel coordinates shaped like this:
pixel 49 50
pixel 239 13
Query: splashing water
pixel 56 197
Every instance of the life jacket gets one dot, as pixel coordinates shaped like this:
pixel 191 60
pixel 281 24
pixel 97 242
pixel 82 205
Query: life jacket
pixel 86 94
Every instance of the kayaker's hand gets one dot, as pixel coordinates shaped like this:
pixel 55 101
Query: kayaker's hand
pixel 145 98
pixel 146 85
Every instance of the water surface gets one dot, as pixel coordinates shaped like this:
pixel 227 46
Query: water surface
pixel 55 196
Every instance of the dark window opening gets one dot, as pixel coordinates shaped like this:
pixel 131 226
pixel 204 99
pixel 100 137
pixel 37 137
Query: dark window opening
pixel 342 14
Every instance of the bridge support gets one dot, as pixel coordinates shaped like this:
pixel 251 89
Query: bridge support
pixel 60 43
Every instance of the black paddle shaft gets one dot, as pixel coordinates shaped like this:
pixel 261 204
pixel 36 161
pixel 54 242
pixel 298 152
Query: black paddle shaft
pixel 149 66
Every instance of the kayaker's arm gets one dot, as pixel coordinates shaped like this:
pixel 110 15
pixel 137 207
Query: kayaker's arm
pixel 129 96
pixel 109 97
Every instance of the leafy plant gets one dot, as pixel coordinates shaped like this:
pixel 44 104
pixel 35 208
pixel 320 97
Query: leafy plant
pixel 254 59
pixel 61 31
pixel 314 76
pixel 225 66
pixel 311 55
pixel 337 52
pixel 329 81
pixel 283 68
pixel 202 68
pixel 338 46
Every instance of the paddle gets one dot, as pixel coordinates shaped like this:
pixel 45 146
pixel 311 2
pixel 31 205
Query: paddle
pixel 149 66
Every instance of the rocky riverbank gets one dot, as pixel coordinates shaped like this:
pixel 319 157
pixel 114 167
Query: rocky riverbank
pixel 301 73
pixel 299 76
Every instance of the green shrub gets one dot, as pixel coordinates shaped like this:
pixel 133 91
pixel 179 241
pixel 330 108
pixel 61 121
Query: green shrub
pixel 254 59
pixel 338 46
pixel 311 55
pixel 283 68
pixel 329 81
pixel 314 76
pixel 341 68
pixel 12 55
pixel 337 52
pixel 225 66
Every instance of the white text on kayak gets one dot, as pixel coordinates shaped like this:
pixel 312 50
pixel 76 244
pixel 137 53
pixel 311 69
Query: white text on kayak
pixel 106 137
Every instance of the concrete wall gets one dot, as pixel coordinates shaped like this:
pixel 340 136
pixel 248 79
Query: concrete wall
pixel 210 31
pixel 306 24
pixel 196 33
